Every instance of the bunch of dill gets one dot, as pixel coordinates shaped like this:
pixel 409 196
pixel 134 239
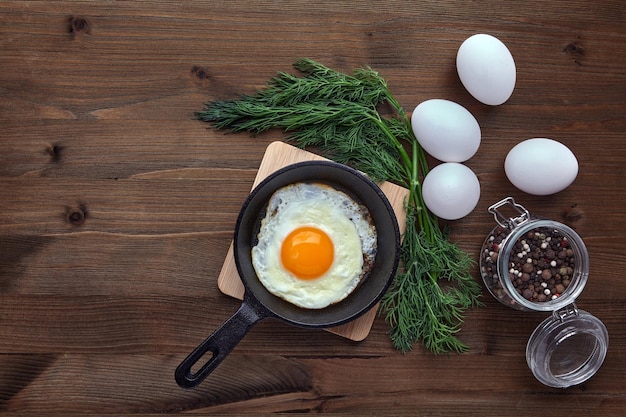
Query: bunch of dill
pixel 338 115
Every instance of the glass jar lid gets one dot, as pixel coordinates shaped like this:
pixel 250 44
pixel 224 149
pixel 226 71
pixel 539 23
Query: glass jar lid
pixel 567 348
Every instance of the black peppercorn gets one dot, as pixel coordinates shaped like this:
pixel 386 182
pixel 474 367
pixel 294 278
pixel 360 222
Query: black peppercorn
pixel 540 263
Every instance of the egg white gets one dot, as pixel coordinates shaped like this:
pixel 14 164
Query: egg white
pixel 346 222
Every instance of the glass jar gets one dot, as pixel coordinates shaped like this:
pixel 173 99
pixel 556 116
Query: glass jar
pixel 534 264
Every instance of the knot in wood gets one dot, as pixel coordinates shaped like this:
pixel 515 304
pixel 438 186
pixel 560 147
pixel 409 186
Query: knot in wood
pixel 78 25
pixel 574 48
pixel 199 72
pixel 54 151
pixel 573 214
pixel 77 215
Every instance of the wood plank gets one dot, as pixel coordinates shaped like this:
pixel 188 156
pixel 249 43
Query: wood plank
pixel 106 150
pixel 293 382
pixel 141 206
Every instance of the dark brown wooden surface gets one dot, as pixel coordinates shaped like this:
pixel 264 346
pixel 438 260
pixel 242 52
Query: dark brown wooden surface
pixel 117 207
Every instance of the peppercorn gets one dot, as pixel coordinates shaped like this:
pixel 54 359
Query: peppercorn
pixel 541 263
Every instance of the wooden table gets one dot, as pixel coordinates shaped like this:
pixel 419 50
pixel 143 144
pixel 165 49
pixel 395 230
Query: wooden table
pixel 117 208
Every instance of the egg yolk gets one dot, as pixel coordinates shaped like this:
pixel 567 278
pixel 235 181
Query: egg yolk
pixel 307 252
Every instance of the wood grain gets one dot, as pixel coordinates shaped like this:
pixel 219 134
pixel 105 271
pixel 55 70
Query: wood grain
pixel 117 207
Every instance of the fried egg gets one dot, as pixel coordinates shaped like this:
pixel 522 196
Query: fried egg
pixel 315 244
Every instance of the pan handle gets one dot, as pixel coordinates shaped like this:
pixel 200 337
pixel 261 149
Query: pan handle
pixel 220 343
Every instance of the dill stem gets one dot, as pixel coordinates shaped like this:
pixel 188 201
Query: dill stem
pixel 403 153
pixel 418 163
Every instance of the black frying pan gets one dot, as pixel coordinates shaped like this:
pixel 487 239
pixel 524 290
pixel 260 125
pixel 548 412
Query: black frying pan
pixel 258 303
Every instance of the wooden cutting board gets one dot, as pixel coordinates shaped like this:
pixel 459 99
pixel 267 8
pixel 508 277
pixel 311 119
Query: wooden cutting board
pixel 278 155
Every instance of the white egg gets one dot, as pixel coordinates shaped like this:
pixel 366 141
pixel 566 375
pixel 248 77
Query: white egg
pixel 451 190
pixel 446 130
pixel 314 245
pixel 541 166
pixel 486 69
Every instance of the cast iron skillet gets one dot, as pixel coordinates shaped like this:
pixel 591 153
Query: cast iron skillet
pixel 258 303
